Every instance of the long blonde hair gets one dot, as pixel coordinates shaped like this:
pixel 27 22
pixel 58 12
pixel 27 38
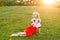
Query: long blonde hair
pixel 36 13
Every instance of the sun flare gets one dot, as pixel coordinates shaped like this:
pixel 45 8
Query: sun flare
pixel 49 2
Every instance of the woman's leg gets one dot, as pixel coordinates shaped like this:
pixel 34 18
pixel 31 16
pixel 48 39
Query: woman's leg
pixel 19 34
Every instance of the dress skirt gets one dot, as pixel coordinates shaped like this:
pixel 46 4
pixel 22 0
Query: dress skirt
pixel 30 30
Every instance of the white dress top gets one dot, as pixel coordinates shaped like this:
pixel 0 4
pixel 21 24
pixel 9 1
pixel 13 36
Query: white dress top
pixel 36 22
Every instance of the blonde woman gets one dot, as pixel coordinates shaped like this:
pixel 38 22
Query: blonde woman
pixel 31 30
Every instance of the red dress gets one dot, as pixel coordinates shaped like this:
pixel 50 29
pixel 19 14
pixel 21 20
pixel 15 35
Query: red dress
pixel 30 30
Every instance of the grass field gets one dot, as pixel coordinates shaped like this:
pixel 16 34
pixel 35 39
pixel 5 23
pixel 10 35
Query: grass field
pixel 14 19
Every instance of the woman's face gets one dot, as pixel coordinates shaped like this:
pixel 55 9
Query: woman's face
pixel 35 15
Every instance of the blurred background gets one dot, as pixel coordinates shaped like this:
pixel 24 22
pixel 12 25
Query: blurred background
pixel 55 3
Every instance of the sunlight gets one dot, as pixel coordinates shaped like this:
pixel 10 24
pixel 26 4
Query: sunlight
pixel 18 1
pixel 49 2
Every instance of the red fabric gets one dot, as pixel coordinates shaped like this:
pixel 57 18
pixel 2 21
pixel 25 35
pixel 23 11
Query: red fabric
pixel 40 27
pixel 30 30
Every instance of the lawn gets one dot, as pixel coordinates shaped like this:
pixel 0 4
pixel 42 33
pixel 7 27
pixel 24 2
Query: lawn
pixel 14 19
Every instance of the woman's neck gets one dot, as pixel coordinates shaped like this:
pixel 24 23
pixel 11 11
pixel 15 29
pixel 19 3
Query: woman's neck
pixel 35 18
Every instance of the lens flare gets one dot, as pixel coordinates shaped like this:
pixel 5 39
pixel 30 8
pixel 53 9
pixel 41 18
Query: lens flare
pixel 49 2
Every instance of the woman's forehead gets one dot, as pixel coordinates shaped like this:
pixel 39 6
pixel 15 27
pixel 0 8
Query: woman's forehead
pixel 35 13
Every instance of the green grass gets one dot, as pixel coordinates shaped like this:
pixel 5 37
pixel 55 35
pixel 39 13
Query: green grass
pixel 14 19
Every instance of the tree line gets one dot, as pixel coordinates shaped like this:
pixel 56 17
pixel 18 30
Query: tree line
pixel 19 2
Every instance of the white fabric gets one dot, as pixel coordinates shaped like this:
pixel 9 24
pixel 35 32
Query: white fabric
pixel 14 35
pixel 36 23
